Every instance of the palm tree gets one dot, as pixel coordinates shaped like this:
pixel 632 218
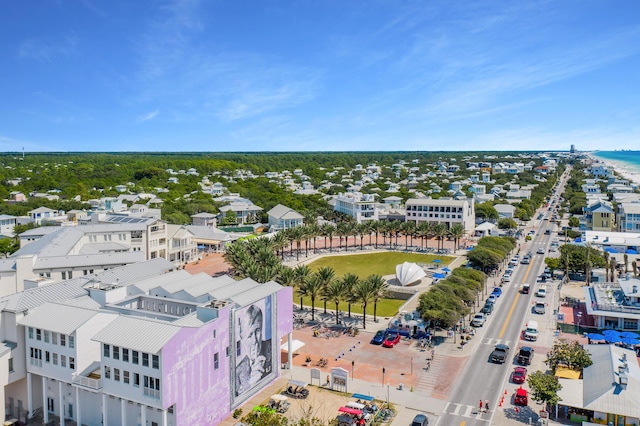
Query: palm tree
pixel 326 275
pixel 612 267
pixel 626 263
pixel 606 265
pixel 362 229
pixel 343 230
pixel 287 277
pixel 279 242
pixel 376 228
pixel 312 288
pixel 634 266
pixel 298 235
pixel 379 288
pixel 422 232
pixel 328 230
pixel 409 229
pixel 349 282
pixel 363 293
pixel 302 273
pixel 397 228
pixel 440 232
pixel 334 292
pixel 456 232
pixel 314 231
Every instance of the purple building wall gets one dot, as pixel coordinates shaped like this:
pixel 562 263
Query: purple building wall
pixel 200 392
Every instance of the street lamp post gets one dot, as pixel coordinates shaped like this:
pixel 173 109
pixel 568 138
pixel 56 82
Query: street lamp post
pixel 383 371
pixel 579 315
pixel 352 366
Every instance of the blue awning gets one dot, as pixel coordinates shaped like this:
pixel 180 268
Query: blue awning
pixel 631 251
pixel 610 250
pixel 438 275
pixel 577 240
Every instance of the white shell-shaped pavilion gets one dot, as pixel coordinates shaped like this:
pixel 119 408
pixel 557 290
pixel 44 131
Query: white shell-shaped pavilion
pixel 408 273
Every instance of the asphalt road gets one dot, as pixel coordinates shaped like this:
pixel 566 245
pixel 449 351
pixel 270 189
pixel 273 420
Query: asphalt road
pixel 481 379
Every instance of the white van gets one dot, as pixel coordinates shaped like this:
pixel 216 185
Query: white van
pixel 531 331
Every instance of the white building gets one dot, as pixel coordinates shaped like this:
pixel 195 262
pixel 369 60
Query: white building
pixel 442 210
pixel 361 207
pixel 282 217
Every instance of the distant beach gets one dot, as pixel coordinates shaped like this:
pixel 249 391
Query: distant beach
pixel 624 163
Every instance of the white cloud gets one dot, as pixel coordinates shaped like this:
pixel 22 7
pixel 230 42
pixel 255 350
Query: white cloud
pixel 149 116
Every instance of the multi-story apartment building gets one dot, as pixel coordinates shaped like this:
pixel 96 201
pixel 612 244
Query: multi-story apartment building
pixel 599 216
pixel 142 346
pixel 442 210
pixel 628 217
pixel 362 207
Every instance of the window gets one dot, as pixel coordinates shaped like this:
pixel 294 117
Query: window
pixel 155 361
pixel 116 352
pixel 55 359
pixel 116 374
pixel 228 351
pixel 63 361
pixel 47 356
pixel 145 359
pixel 54 338
pixel 214 334
pixel 64 275
pixel 134 356
pixel 125 377
pixel 238 348
pixel 46 336
pixel 70 274
pixel 38 334
pixel 72 363
pixel 136 379
pixel 10 365
pixel 72 342
pixel 30 332
pixel 216 361
pixel 106 351
pixel 63 339
pixel 125 355
pixel 107 372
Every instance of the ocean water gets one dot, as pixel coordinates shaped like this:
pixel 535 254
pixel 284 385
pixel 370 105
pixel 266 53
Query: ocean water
pixel 630 159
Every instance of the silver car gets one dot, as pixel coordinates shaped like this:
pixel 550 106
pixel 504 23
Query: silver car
pixel 478 320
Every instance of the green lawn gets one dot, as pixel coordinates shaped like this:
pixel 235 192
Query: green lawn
pixel 386 307
pixel 383 263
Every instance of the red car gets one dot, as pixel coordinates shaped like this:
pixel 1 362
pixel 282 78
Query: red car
pixel 519 375
pixel 391 339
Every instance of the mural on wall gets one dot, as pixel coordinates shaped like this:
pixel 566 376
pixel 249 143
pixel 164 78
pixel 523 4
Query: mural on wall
pixel 254 345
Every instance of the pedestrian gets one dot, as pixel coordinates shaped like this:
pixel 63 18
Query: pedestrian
pixel 481 406
pixel 486 405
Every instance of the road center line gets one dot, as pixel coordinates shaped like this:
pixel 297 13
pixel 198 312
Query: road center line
pixel 513 305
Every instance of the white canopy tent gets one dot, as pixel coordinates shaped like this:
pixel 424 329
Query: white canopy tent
pixel 295 345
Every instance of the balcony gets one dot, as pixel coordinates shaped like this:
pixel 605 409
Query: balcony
pixel 90 378
pixel 152 393
pixel 35 362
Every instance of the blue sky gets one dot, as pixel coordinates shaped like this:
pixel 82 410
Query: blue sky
pixel 318 75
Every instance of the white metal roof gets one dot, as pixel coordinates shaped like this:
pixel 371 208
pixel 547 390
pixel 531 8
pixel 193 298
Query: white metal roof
pixel 86 260
pixel 140 334
pixel 57 317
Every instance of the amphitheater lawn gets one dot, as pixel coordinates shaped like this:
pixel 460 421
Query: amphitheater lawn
pixel 380 263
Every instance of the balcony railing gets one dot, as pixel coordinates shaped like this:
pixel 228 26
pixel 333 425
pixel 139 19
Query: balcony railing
pixel 152 393
pixel 36 362
pixel 87 382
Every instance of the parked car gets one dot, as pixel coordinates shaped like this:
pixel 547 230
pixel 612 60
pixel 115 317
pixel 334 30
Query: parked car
pixel 506 278
pixel 539 308
pixel 525 260
pixel 525 355
pixel 497 291
pixel 542 292
pixel 492 299
pixel 478 320
pixel 379 337
pixel 420 420
pixel 487 308
pixel 521 397
pixel 519 375
pixel 392 339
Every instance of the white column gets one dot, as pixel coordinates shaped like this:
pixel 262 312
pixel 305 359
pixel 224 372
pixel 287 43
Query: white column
pixel 123 412
pixel 78 416
pixel 45 403
pixel 164 417
pixel 104 409
pixel 61 396
pixel 143 415
pixel 29 396
pixel 290 351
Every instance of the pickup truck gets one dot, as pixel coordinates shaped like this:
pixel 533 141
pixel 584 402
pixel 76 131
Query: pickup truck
pixel 499 354
pixel 525 355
